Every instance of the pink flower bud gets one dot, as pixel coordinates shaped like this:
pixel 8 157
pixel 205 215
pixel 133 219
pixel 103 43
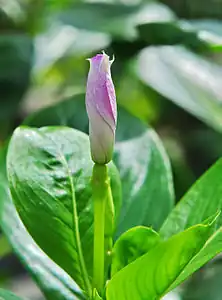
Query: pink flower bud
pixel 101 108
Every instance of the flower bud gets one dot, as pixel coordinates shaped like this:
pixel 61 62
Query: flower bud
pixel 101 108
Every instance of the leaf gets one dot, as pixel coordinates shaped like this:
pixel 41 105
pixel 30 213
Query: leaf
pixel 70 112
pixel 204 197
pixel 199 203
pixel 139 155
pixel 131 245
pixel 16 55
pixel 7 295
pixel 153 274
pixel 96 295
pixel 171 33
pixel 49 171
pixel 145 174
pixel 190 81
pixel 206 284
pixel 72 41
pixel 53 281
pixel 105 17
pixel 116 19
pixel 207 30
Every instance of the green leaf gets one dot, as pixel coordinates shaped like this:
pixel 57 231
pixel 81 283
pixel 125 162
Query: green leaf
pixel 73 42
pixel 113 18
pixel 131 245
pixel 145 173
pixel 70 112
pixel 49 172
pixel 190 81
pixel 139 155
pixel 16 55
pixel 200 203
pixel 96 295
pixel 53 281
pixel 207 30
pixel 206 284
pixel 153 274
pixel 171 33
pixel 6 295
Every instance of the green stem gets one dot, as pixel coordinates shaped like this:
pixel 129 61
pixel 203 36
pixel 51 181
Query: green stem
pixel 109 228
pixel 100 185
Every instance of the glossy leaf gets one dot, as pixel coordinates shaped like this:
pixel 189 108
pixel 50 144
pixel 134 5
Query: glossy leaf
pixel 200 202
pixel 190 81
pixel 53 281
pixel 49 171
pixel 153 274
pixel 204 197
pixel 7 295
pixel 131 245
pixel 145 174
pixel 147 189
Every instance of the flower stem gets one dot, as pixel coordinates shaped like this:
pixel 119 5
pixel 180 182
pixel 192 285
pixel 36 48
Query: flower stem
pixel 109 228
pixel 100 185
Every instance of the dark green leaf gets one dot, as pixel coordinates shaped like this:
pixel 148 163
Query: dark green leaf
pixel 49 172
pixel 153 274
pixel 6 295
pixel 70 112
pixel 145 174
pixel 16 55
pixel 53 281
pixel 131 245
pixel 187 79
pixel 171 33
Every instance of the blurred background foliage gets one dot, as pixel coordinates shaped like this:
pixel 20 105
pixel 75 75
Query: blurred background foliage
pixel 167 72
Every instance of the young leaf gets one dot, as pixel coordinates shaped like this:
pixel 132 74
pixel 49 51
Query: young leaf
pixel 131 245
pixel 49 172
pixel 202 201
pixel 53 281
pixel 153 274
pixel 6 295
pixel 96 295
